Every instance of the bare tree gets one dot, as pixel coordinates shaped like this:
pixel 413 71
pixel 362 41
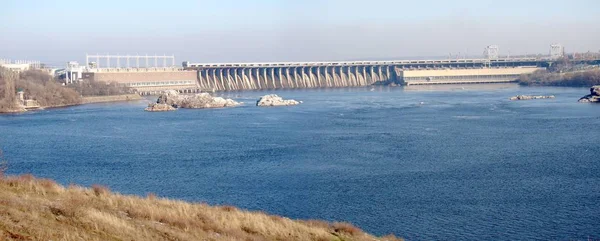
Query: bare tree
pixel 9 78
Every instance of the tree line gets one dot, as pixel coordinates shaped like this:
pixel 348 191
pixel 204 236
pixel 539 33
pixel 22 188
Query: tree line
pixel 563 74
pixel 47 91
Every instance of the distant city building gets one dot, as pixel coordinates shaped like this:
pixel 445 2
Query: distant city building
pixel 557 51
pixel 20 65
pixel 107 61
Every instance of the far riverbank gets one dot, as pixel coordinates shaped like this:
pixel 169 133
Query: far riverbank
pixel 100 99
pixel 584 78
pixel 111 98
pixel 84 100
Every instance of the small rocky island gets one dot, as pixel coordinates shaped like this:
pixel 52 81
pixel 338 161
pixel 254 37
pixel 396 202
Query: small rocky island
pixel 594 95
pixel 156 107
pixel 531 97
pixel 275 100
pixel 171 100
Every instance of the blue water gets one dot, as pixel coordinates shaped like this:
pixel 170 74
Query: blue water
pixel 433 162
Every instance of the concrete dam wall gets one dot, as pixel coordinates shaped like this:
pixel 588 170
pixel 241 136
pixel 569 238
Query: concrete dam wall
pixel 197 77
pixel 193 78
pixel 463 76
pixel 255 78
pixel 142 77
pixel 148 81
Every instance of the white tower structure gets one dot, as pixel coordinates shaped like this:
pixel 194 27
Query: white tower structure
pixel 491 52
pixel 557 51
pixel 103 61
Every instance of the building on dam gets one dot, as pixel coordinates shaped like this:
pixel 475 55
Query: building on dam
pixel 145 74
pixel 463 76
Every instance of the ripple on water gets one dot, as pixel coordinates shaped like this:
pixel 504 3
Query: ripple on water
pixel 440 164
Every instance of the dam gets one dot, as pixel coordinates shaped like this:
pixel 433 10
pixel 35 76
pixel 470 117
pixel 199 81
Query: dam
pixel 286 75
pixel 209 77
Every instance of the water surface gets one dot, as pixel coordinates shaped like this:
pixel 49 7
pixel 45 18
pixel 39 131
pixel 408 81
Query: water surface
pixel 432 162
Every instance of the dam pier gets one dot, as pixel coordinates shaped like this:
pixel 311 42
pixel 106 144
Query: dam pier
pixel 290 75
pixel 253 76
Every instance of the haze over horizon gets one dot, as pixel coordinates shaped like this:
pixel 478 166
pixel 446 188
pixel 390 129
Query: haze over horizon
pixel 269 30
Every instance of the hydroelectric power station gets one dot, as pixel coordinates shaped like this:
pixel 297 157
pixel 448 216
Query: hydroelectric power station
pixel 152 74
pixel 243 76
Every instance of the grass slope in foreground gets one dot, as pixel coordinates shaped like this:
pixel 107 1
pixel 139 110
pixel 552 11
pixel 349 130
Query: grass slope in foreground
pixel 40 209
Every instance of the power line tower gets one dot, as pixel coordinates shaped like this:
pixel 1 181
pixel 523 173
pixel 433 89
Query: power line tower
pixel 491 52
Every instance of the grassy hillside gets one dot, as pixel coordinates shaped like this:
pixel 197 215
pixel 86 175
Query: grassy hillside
pixel 40 209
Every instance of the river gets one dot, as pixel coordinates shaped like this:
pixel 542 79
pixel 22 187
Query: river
pixel 457 162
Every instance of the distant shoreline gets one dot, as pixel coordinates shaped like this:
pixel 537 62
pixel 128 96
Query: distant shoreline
pixel 136 97
pixel 110 98
pixel 100 99
pixel 85 100
pixel 585 78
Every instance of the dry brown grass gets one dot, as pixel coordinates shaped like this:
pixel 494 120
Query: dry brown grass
pixel 39 209
pixel 348 228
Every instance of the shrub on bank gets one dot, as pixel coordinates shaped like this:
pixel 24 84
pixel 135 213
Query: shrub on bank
pixel 98 88
pixel 585 78
pixel 48 93
pixel 37 85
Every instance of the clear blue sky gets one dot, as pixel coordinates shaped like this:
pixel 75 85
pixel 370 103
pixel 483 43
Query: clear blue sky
pixel 269 30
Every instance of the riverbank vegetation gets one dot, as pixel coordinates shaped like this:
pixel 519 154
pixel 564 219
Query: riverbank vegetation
pixel 37 85
pixel 585 78
pixel 563 74
pixel 8 101
pixel 40 209
pixel 41 87
pixel 98 88
pixel 48 92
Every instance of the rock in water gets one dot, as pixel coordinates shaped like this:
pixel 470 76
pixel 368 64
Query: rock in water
pixel 531 97
pixel 274 100
pixel 173 99
pixel 205 100
pixel 594 95
pixel 156 107
pixel 169 97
